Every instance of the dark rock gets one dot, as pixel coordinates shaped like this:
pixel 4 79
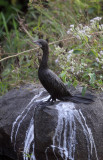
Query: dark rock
pixel 81 124
pixel 61 131
pixel 11 106
pixel 46 118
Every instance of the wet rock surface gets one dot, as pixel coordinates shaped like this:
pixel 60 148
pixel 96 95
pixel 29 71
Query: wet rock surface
pixel 65 130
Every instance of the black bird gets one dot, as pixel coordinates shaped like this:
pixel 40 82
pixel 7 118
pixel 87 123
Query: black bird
pixel 52 83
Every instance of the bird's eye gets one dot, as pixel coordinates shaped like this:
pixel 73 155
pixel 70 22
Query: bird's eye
pixel 40 44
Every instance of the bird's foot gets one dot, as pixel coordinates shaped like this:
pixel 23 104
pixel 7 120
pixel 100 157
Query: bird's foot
pixel 52 102
pixel 49 99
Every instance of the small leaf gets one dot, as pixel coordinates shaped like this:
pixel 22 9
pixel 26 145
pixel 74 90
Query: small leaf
pixel 92 52
pixel 100 82
pixel 69 83
pixel 63 76
pixel 84 90
pixel 95 64
pixel 88 60
pixel 91 10
pixel 77 51
pixel 75 83
pixel 86 39
pixel 92 77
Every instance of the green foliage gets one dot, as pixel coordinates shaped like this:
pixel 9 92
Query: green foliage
pixel 84 90
pixel 8 12
pixel 63 76
pixel 3 87
pixel 28 155
pixel 80 60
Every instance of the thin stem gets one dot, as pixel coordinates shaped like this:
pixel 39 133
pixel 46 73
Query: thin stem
pixel 17 54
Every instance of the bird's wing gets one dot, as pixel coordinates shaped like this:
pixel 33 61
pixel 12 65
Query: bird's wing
pixel 53 84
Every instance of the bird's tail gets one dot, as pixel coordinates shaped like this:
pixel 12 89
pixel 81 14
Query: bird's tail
pixel 87 99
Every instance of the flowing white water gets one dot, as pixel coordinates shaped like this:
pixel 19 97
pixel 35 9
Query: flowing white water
pixel 65 140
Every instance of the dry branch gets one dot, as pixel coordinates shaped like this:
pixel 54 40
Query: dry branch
pixel 25 30
pixel 17 54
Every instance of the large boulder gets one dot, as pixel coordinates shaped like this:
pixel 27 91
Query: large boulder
pixel 33 128
pixel 69 131
pixel 16 112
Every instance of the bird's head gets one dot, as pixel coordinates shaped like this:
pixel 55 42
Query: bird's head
pixel 42 43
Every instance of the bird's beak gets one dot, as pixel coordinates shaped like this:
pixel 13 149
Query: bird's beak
pixel 37 43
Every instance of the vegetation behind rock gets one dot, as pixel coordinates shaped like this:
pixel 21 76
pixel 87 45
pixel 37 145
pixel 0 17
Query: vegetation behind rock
pixel 74 27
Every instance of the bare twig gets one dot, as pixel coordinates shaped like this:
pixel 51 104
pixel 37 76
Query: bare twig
pixel 17 54
pixel 96 33
pixel 25 30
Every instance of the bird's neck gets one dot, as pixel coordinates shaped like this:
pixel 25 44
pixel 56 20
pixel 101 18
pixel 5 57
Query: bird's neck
pixel 44 61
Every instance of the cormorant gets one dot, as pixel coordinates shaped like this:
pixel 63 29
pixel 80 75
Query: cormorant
pixel 52 83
